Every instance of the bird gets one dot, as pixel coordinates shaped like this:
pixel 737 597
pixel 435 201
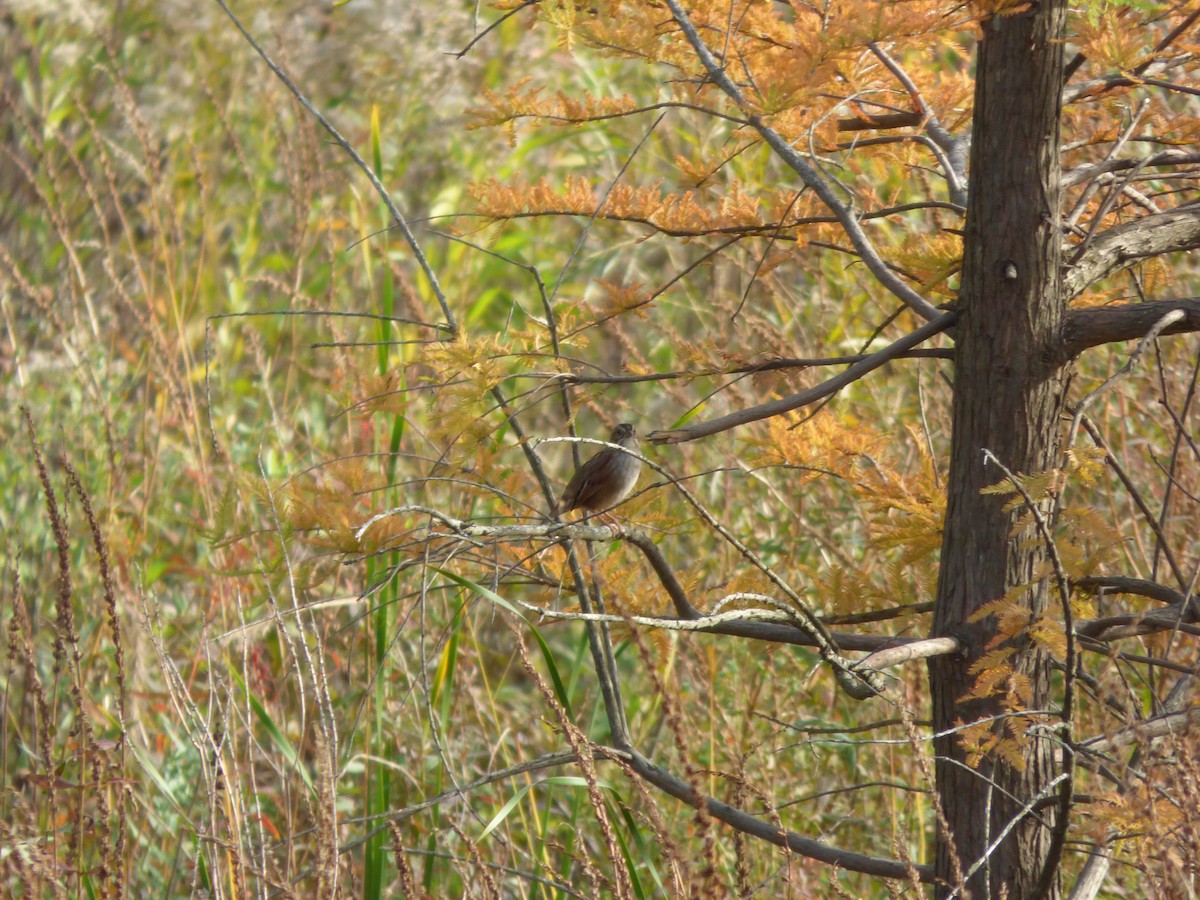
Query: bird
pixel 605 479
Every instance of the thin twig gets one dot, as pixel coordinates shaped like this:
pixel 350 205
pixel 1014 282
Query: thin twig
pixel 397 216
pixel 811 395
pixel 809 175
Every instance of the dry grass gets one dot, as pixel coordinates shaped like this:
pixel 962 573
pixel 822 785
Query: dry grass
pixel 214 685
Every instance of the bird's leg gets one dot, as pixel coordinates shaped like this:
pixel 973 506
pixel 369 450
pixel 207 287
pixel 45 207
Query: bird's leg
pixel 610 518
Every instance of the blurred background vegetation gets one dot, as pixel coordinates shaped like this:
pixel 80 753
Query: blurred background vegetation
pixel 213 684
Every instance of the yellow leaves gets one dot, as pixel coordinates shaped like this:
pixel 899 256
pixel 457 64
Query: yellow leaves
pixel 1084 536
pixel 1087 539
pixel 903 509
pixel 1005 738
pixel 977 739
pixel 993 668
pixel 1129 813
pixel 621 28
pixel 519 102
pixel 477 360
pixel 1049 634
pixel 381 394
pixel 1084 539
pixel 1084 464
pixel 1011 612
pixel 692 171
pixel 627 588
pixel 824 442
pixel 1156 275
pixel 466 370
pixel 327 505
pixel 934 259
pixel 1014 622
pixel 738 206
pixel 1041 486
pixel 1153 816
pixel 675 213
pixel 1110 43
pixel 845 590
pixel 622 298
pixel 909 508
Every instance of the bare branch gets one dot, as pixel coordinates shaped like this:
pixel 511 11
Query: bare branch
pixel 1097 325
pixel 479 37
pixel 1171 723
pixel 770 365
pixel 346 146
pixel 953 155
pixel 767 229
pixel 1086 172
pixel 623 114
pixel 768 831
pixel 1113 152
pixel 1172 86
pixel 1173 317
pixel 812 395
pixel 782 624
pixel 1097 86
pixel 1012 823
pixel 1139 586
pixel 920 649
pixel 1122 245
pixel 1180 617
pixel 860 686
pixel 1135 495
pixel 547 761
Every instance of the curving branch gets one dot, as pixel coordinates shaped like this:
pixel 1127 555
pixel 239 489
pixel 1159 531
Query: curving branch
pixel 1141 587
pixel 1179 617
pixel 769 365
pixel 1173 722
pixel 1181 612
pixel 766 229
pixel 1088 90
pixel 812 395
pixel 768 831
pixel 953 150
pixel 921 648
pixel 1122 245
pixel 397 217
pixel 623 114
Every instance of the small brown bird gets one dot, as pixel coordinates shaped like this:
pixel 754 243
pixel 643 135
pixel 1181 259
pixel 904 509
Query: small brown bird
pixel 604 480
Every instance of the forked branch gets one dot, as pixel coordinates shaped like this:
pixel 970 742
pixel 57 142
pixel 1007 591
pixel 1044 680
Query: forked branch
pixel 808 174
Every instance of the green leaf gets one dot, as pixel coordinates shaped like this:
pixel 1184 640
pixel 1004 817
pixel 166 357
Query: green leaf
pixel 486 593
pixel 503 813
pixel 560 689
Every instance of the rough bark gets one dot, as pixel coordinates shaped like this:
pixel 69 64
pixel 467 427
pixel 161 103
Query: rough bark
pixel 1122 245
pixel 1009 392
pixel 1096 325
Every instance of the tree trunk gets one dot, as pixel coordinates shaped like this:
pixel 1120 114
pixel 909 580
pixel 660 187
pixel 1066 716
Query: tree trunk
pixel 1009 393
